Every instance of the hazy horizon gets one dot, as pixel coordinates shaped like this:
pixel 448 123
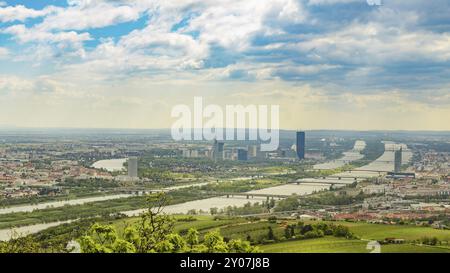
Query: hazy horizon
pixel 168 129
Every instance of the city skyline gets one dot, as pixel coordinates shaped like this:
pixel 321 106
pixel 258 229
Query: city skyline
pixel 363 69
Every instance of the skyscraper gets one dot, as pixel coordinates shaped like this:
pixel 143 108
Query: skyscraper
pixel 242 154
pixel 253 151
pixel 133 167
pixel 300 146
pixel 217 152
pixel 398 161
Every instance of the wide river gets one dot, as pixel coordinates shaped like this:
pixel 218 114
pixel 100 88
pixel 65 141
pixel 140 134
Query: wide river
pixel 57 204
pixel 383 163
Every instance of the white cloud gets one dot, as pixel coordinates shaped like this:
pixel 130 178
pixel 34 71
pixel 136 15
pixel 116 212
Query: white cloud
pixel 21 13
pixel 25 35
pixel 156 47
pixel 46 45
pixel 82 15
pixel 374 43
pixel 233 24
pixel 332 2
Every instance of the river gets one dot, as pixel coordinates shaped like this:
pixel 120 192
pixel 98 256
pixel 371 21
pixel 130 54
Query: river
pixel 349 156
pixel 56 204
pixel 111 165
pixel 5 234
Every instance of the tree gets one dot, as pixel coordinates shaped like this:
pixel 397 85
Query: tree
pixel 287 232
pixel 103 239
pixel 239 246
pixel 192 237
pixel 154 226
pixel 178 242
pixel 19 244
pixel 288 204
pixel 342 231
pixel 154 233
pixel 150 234
pixel 271 203
pixel 214 242
pixel 213 211
pixel 305 229
pixel 123 246
pixel 270 235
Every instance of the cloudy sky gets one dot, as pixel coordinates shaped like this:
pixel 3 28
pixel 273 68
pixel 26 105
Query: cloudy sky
pixel 329 64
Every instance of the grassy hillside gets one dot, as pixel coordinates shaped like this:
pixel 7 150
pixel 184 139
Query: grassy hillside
pixel 380 232
pixel 338 245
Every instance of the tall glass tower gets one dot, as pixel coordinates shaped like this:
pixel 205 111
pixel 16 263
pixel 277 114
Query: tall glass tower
pixel 301 145
pixel 398 161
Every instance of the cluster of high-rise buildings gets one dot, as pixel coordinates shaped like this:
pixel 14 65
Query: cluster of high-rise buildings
pixel 218 151
pixel 239 153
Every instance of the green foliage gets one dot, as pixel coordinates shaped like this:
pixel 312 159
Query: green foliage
pixel 322 229
pixel 239 246
pixel 270 235
pixel 247 209
pixel 89 183
pixel 214 242
pixel 432 241
pixel 329 198
pixel 156 175
pixel 192 237
pixel 20 245
pixel 288 204
pixel 154 232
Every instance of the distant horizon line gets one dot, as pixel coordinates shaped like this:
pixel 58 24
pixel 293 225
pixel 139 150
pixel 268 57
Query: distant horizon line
pixel 281 129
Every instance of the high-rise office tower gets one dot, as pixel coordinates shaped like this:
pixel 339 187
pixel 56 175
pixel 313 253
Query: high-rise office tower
pixel 242 154
pixel 253 151
pixel 300 146
pixel 398 161
pixel 217 152
pixel 221 144
pixel 133 167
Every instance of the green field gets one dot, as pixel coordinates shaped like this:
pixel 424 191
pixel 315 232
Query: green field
pixel 338 245
pixel 320 245
pixel 381 232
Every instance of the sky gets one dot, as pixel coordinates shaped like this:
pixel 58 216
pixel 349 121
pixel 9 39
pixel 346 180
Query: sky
pixel 328 64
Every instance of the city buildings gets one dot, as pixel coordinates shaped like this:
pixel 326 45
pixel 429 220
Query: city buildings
pixel 242 154
pixel 217 152
pixel 300 145
pixel 133 167
pixel 253 151
pixel 398 161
